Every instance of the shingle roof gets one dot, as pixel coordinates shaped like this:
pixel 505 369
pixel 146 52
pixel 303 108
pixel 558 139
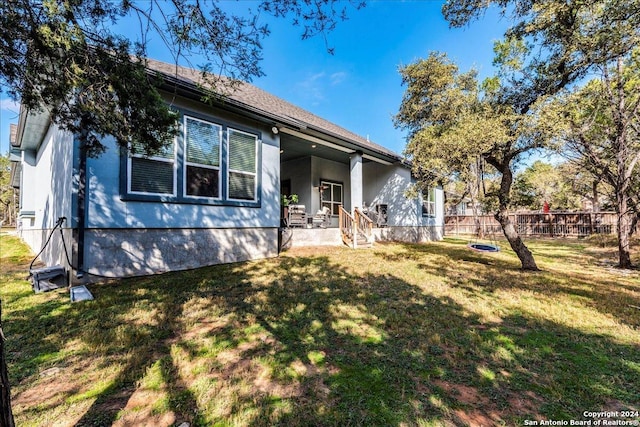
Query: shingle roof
pixel 13 133
pixel 259 101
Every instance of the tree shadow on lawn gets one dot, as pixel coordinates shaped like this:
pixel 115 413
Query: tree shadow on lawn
pixel 124 330
pixel 615 295
pixel 304 341
pixel 376 350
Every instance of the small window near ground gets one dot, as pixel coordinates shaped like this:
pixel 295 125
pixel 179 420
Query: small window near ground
pixel 429 202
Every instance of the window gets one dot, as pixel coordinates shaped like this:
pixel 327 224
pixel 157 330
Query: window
pixel 331 196
pixel 202 158
pixel 429 202
pixel 154 174
pixel 208 163
pixel 243 165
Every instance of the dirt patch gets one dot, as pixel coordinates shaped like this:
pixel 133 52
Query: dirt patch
pixel 527 403
pixel 139 412
pixel 50 390
pixel 479 410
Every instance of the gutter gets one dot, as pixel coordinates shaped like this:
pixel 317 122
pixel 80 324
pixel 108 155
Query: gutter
pixel 79 213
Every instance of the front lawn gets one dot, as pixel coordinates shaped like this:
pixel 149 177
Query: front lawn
pixel 399 334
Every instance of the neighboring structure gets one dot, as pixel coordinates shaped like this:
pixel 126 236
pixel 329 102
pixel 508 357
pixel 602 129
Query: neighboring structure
pixel 214 196
pixel 456 204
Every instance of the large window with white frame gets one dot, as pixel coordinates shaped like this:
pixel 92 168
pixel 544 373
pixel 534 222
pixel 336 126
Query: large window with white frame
pixel 332 195
pixel 208 162
pixel 243 165
pixel 153 175
pixel 202 147
pixel 429 202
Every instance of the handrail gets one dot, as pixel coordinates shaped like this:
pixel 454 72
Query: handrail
pixel 347 227
pixel 364 225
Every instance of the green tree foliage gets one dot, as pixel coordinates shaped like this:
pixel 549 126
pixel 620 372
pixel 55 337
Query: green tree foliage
pixel 585 185
pixel 543 182
pixel 603 136
pixel 7 193
pixel 67 56
pixel 452 122
pixel 553 44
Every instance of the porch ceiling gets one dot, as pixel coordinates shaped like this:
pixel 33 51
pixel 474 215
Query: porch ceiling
pixel 293 148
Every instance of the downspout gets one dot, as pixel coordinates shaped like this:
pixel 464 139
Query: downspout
pixel 80 211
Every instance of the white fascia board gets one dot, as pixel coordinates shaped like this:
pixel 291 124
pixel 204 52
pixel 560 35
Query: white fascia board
pixel 315 140
pixel 375 159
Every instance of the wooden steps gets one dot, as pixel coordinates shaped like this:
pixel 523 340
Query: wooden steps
pixel 359 227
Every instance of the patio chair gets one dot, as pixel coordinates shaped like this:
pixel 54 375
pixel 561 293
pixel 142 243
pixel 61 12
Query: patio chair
pixel 322 218
pixel 297 216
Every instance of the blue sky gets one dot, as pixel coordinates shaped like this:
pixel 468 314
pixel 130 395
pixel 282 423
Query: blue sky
pixel 358 87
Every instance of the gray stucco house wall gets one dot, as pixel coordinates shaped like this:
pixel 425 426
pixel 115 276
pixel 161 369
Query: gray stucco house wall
pixel 118 224
pixel 47 190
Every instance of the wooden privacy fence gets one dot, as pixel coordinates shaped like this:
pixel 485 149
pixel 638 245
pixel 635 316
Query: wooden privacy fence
pixel 561 224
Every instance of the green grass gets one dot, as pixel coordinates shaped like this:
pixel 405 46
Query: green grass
pixel 399 334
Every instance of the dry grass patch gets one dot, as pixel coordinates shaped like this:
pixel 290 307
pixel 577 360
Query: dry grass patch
pixel 399 334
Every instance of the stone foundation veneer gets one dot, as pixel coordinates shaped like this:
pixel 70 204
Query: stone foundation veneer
pixel 135 252
pixel 409 234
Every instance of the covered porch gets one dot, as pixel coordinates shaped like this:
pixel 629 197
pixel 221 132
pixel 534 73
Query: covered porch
pixel 326 176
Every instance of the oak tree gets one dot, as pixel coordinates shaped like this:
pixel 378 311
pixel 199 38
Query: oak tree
pixel 603 135
pixel 452 121
pixel 553 45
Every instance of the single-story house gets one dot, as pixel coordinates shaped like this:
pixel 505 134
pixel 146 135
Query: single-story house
pixel 214 196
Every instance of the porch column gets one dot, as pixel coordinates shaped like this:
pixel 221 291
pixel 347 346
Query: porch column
pixel 356 180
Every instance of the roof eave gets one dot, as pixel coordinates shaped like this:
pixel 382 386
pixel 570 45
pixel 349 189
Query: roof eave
pixel 193 90
pixel 384 155
pixel 32 128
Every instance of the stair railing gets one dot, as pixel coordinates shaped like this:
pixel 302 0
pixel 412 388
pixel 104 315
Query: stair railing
pixel 348 227
pixel 364 225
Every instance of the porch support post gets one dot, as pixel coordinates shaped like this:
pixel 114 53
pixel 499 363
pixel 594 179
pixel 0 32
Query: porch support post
pixel 356 180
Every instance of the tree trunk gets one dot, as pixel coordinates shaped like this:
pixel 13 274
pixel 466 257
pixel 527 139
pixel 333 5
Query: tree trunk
pixel 624 232
pixel 502 216
pixel 524 254
pixel 623 174
pixel 6 418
